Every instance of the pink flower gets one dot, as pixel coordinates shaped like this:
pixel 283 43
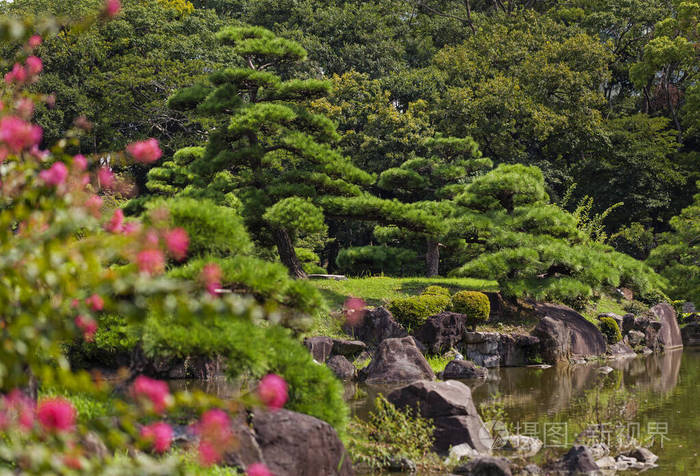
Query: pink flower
pixel 131 227
pixel 272 391
pixel 177 242
pixel 154 391
pixel 112 8
pixel 18 134
pixel 151 261
pixel 94 204
pixel 34 41
pixel 160 435
pixel 25 108
pixel 146 151
pixel 216 436
pixel 56 414
pixel 354 309
pixel 116 223
pixel 34 65
pixel 80 162
pixel 105 177
pixel 211 275
pixel 17 75
pixel 95 302
pixel 88 326
pixel 258 469
pixel 56 175
pixel 22 407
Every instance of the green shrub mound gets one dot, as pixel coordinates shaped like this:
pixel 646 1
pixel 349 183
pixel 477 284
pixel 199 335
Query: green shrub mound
pixel 610 329
pixel 413 311
pixel 373 260
pixel 473 304
pixel 436 291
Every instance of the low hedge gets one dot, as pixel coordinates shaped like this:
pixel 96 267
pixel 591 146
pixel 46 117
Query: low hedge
pixel 413 311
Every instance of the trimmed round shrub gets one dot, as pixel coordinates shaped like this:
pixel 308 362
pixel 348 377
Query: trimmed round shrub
pixel 473 304
pixel 437 291
pixel 610 329
pixel 413 311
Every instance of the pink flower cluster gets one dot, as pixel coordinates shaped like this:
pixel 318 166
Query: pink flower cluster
pixel 18 135
pixel 18 409
pixel 112 7
pixel 272 391
pixel 258 469
pixel 146 151
pixel 56 175
pixel 215 436
pixel 211 276
pixel 155 392
pixel 354 309
pixel 88 326
pixel 56 414
pixel 177 242
pixel 95 302
pixel 27 73
pixel 159 435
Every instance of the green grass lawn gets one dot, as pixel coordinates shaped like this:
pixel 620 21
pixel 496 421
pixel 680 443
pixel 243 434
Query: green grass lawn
pixel 376 291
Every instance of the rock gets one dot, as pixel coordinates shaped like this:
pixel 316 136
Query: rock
pixel 320 347
pixel 517 350
pixel 401 464
pixel 442 331
pixel 627 323
pixel 669 335
pixel 294 444
pixel 348 348
pixel 579 460
pixel 464 450
pixel 450 406
pixel 621 349
pixel 604 370
pixel 341 367
pixel 606 462
pixel 525 446
pixel 398 360
pixel 94 446
pixel 482 348
pixel 247 450
pixel 643 455
pixel 564 333
pixel 635 338
pixel 377 325
pixel 691 333
pixel 485 466
pixel 626 293
pixel 531 470
pixel 598 450
pixel 688 307
pixel 463 369
pixel 625 462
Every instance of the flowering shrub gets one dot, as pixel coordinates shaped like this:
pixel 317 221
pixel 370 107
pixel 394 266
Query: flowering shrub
pixel 64 262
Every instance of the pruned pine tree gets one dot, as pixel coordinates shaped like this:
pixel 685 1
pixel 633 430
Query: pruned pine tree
pixel 534 248
pixel 449 163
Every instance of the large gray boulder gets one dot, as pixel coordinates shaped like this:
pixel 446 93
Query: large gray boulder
pixel 669 335
pixel 691 334
pixel 294 444
pixel 485 466
pixel 397 360
pixel 320 347
pixel 341 367
pixel 377 325
pixel 579 460
pixel 442 331
pixel 564 333
pixel 449 404
pixel 463 369
pixel 348 348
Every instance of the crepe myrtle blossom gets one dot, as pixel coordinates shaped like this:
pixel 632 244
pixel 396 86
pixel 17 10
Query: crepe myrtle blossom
pixel 146 151
pixel 272 391
pixel 56 175
pixel 177 242
pixel 34 41
pixel 19 407
pixel 257 469
pixel 94 204
pixel 211 276
pixel 34 65
pixel 56 414
pixel 17 75
pixel 80 162
pixel 105 177
pixel 154 391
pixel 116 223
pixel 112 7
pixel 95 302
pixel 17 134
pixel 151 261
pixel 88 326
pixel 215 436
pixel 354 310
pixel 159 435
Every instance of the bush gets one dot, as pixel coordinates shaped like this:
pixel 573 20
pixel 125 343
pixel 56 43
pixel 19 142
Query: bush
pixel 436 291
pixel 413 311
pixel 372 260
pixel 610 329
pixel 389 434
pixel 473 304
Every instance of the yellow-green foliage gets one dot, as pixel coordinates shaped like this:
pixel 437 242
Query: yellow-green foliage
pixel 610 329
pixel 436 291
pixel 413 311
pixel 474 304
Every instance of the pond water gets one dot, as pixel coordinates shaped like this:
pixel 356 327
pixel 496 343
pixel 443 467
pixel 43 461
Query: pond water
pixel 654 398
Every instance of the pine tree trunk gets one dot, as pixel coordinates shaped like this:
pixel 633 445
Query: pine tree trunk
pixel 432 258
pixel 288 256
